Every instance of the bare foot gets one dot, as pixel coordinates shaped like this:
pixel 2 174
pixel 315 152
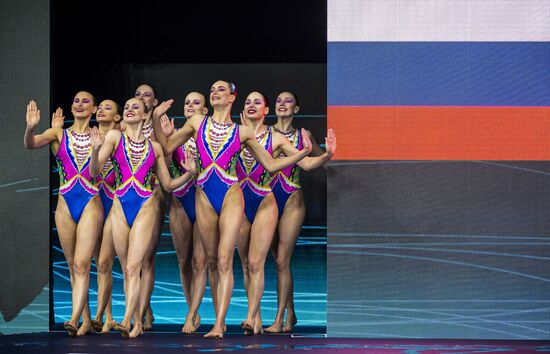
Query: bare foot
pixel 291 320
pixel 136 331
pixel 248 327
pixel 215 333
pixel 85 328
pixel 149 319
pixel 258 329
pixel 198 322
pixel 123 329
pixel 97 324
pixel 276 327
pixel 191 325
pixel 107 326
pixel 70 327
pixel 291 316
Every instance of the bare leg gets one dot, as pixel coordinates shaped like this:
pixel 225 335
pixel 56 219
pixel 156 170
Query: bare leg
pixel 290 319
pixel 120 232
pixel 207 222
pixel 139 242
pixel 105 277
pixel 261 236
pixel 182 237
pixel 230 224
pixel 148 269
pixel 66 229
pixel 290 226
pixel 243 246
pixel 243 243
pixel 198 284
pixel 87 233
pixel 148 279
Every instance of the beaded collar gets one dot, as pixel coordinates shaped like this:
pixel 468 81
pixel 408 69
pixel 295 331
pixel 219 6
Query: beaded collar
pixel 80 145
pixel 137 149
pixel 218 134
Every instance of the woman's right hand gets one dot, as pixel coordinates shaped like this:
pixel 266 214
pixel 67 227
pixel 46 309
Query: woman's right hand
pixel 244 119
pixel 96 139
pixel 162 108
pixel 33 115
pixel 167 125
pixel 57 118
pixel 306 142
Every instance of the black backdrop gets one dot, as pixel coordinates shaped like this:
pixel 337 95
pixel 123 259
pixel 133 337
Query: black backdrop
pixel 92 42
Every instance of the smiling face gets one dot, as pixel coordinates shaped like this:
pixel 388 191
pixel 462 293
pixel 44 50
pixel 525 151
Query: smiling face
pixel 107 111
pixel 146 93
pixel 194 104
pixel 255 106
pixel 220 94
pixel 286 105
pixel 134 111
pixel 83 105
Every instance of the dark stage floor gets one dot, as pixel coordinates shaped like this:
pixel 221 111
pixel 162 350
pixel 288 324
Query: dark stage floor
pixel 177 343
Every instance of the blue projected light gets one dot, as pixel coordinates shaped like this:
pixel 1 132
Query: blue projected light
pixel 168 301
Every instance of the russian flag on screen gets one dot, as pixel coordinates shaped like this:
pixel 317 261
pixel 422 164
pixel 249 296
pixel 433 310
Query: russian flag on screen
pixel 439 79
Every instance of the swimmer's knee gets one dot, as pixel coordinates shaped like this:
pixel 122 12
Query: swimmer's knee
pixel 199 263
pixel 104 266
pixel 282 264
pixel 255 265
pixel 81 266
pixel 133 269
pixel 224 264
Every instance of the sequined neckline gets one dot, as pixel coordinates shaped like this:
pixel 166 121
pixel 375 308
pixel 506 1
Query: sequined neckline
pixel 137 151
pixel 80 145
pixel 218 133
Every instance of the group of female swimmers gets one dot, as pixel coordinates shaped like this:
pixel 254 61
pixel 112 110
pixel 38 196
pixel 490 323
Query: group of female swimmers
pixel 229 183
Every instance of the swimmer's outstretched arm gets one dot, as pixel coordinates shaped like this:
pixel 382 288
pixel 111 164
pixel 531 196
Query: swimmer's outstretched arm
pixel 168 183
pixel 308 163
pixel 262 156
pixel 32 141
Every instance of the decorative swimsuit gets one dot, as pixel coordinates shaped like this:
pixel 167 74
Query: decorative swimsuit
pixel 185 193
pixel 73 159
pixel 107 187
pixel 287 181
pixel 218 147
pixel 254 178
pixel 134 164
pixel 147 131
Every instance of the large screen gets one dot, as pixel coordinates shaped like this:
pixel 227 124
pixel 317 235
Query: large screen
pixel 24 178
pixel 440 196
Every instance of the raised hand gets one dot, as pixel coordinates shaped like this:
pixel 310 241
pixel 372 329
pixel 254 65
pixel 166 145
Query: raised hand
pixel 162 108
pixel 244 119
pixel 306 141
pixel 167 125
pixel 121 127
pixel 33 115
pixel 330 142
pixel 96 138
pixel 58 118
pixel 189 163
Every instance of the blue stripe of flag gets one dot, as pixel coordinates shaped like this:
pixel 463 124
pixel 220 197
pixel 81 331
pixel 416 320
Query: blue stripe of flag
pixel 439 73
